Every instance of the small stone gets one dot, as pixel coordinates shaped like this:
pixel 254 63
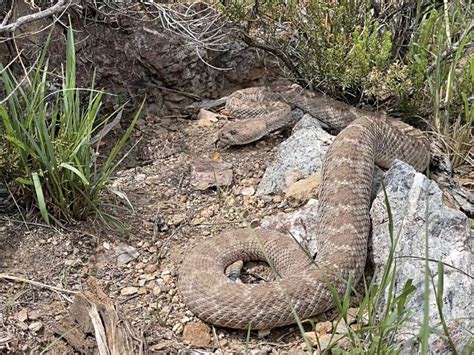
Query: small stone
pixel 160 346
pixel 263 332
pixel 247 191
pixel 277 199
pixel 206 118
pixel 140 177
pixel 206 173
pixel 352 315
pixel 142 291
pixel 177 328
pixel 34 315
pixel 223 342
pixel 22 315
pixel 35 326
pixel 156 290
pixel 341 327
pixel 165 288
pixel 328 340
pixel 356 326
pixel 125 254
pixel 323 328
pixel 305 189
pixel 150 269
pixel 128 291
pixel 22 325
pixel 197 334
pixel 312 338
pixel 139 266
pixel 149 277
pixel 207 213
pixel 177 219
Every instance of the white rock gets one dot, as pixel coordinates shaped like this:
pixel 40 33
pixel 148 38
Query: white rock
pixel 418 212
pixel 303 152
pixel 247 191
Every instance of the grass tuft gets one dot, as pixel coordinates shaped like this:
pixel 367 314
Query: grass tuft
pixel 50 142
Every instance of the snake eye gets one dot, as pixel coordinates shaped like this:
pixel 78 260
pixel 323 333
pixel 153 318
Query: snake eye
pixel 232 132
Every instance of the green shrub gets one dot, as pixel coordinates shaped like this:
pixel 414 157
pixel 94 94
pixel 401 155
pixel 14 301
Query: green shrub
pixel 411 60
pixel 48 141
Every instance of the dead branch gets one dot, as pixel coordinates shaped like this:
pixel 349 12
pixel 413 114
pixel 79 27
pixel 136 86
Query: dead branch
pixel 12 27
pixel 279 54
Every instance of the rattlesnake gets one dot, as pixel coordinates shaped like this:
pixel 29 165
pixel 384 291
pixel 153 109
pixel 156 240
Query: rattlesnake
pixel 343 217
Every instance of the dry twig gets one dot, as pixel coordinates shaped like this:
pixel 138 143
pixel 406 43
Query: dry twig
pixel 12 27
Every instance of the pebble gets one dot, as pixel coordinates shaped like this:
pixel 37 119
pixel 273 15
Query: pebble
pixel 352 315
pixel 127 291
pixel 140 177
pixel 328 340
pixel 22 315
pixel 156 290
pixel 277 199
pixel 151 268
pixel 35 326
pixel 177 219
pixel 197 334
pixel 306 188
pixel 125 254
pixel 341 327
pixel 206 173
pixel 247 191
pixel 177 328
pixel 323 328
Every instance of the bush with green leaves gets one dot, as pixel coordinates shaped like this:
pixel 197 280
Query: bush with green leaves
pixel 50 142
pixel 412 57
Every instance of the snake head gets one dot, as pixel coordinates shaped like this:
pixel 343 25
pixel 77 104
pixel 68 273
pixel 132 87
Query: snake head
pixel 242 132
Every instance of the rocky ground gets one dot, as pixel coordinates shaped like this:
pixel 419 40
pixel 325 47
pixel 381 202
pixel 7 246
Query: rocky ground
pixel 169 217
pixel 173 209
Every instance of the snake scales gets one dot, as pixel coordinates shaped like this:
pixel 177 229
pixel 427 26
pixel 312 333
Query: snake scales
pixel 343 217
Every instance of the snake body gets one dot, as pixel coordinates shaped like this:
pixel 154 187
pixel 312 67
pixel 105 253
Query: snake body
pixel 301 289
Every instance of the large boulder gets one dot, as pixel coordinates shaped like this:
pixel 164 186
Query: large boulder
pixel 419 216
pixel 300 155
pixel 425 228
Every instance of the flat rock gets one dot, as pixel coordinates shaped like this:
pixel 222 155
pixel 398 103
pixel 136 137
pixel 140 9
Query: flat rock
pixel 299 224
pixel 126 253
pixel 304 189
pixel 206 173
pixel 197 334
pixel 206 118
pixel 128 291
pixel 301 153
pixel 419 215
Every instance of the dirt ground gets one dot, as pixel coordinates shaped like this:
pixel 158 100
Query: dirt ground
pixel 168 218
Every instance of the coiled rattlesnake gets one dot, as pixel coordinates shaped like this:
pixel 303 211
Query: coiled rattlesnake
pixel 343 216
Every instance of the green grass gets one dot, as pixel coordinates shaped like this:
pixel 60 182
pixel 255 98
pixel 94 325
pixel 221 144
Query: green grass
pixel 50 142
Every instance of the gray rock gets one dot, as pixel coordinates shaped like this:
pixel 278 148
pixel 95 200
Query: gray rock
pixel 299 224
pixel 125 253
pixel 206 173
pixel 418 211
pixel 301 154
pixel 449 235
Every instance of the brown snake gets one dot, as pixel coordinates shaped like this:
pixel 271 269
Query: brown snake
pixel 343 216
